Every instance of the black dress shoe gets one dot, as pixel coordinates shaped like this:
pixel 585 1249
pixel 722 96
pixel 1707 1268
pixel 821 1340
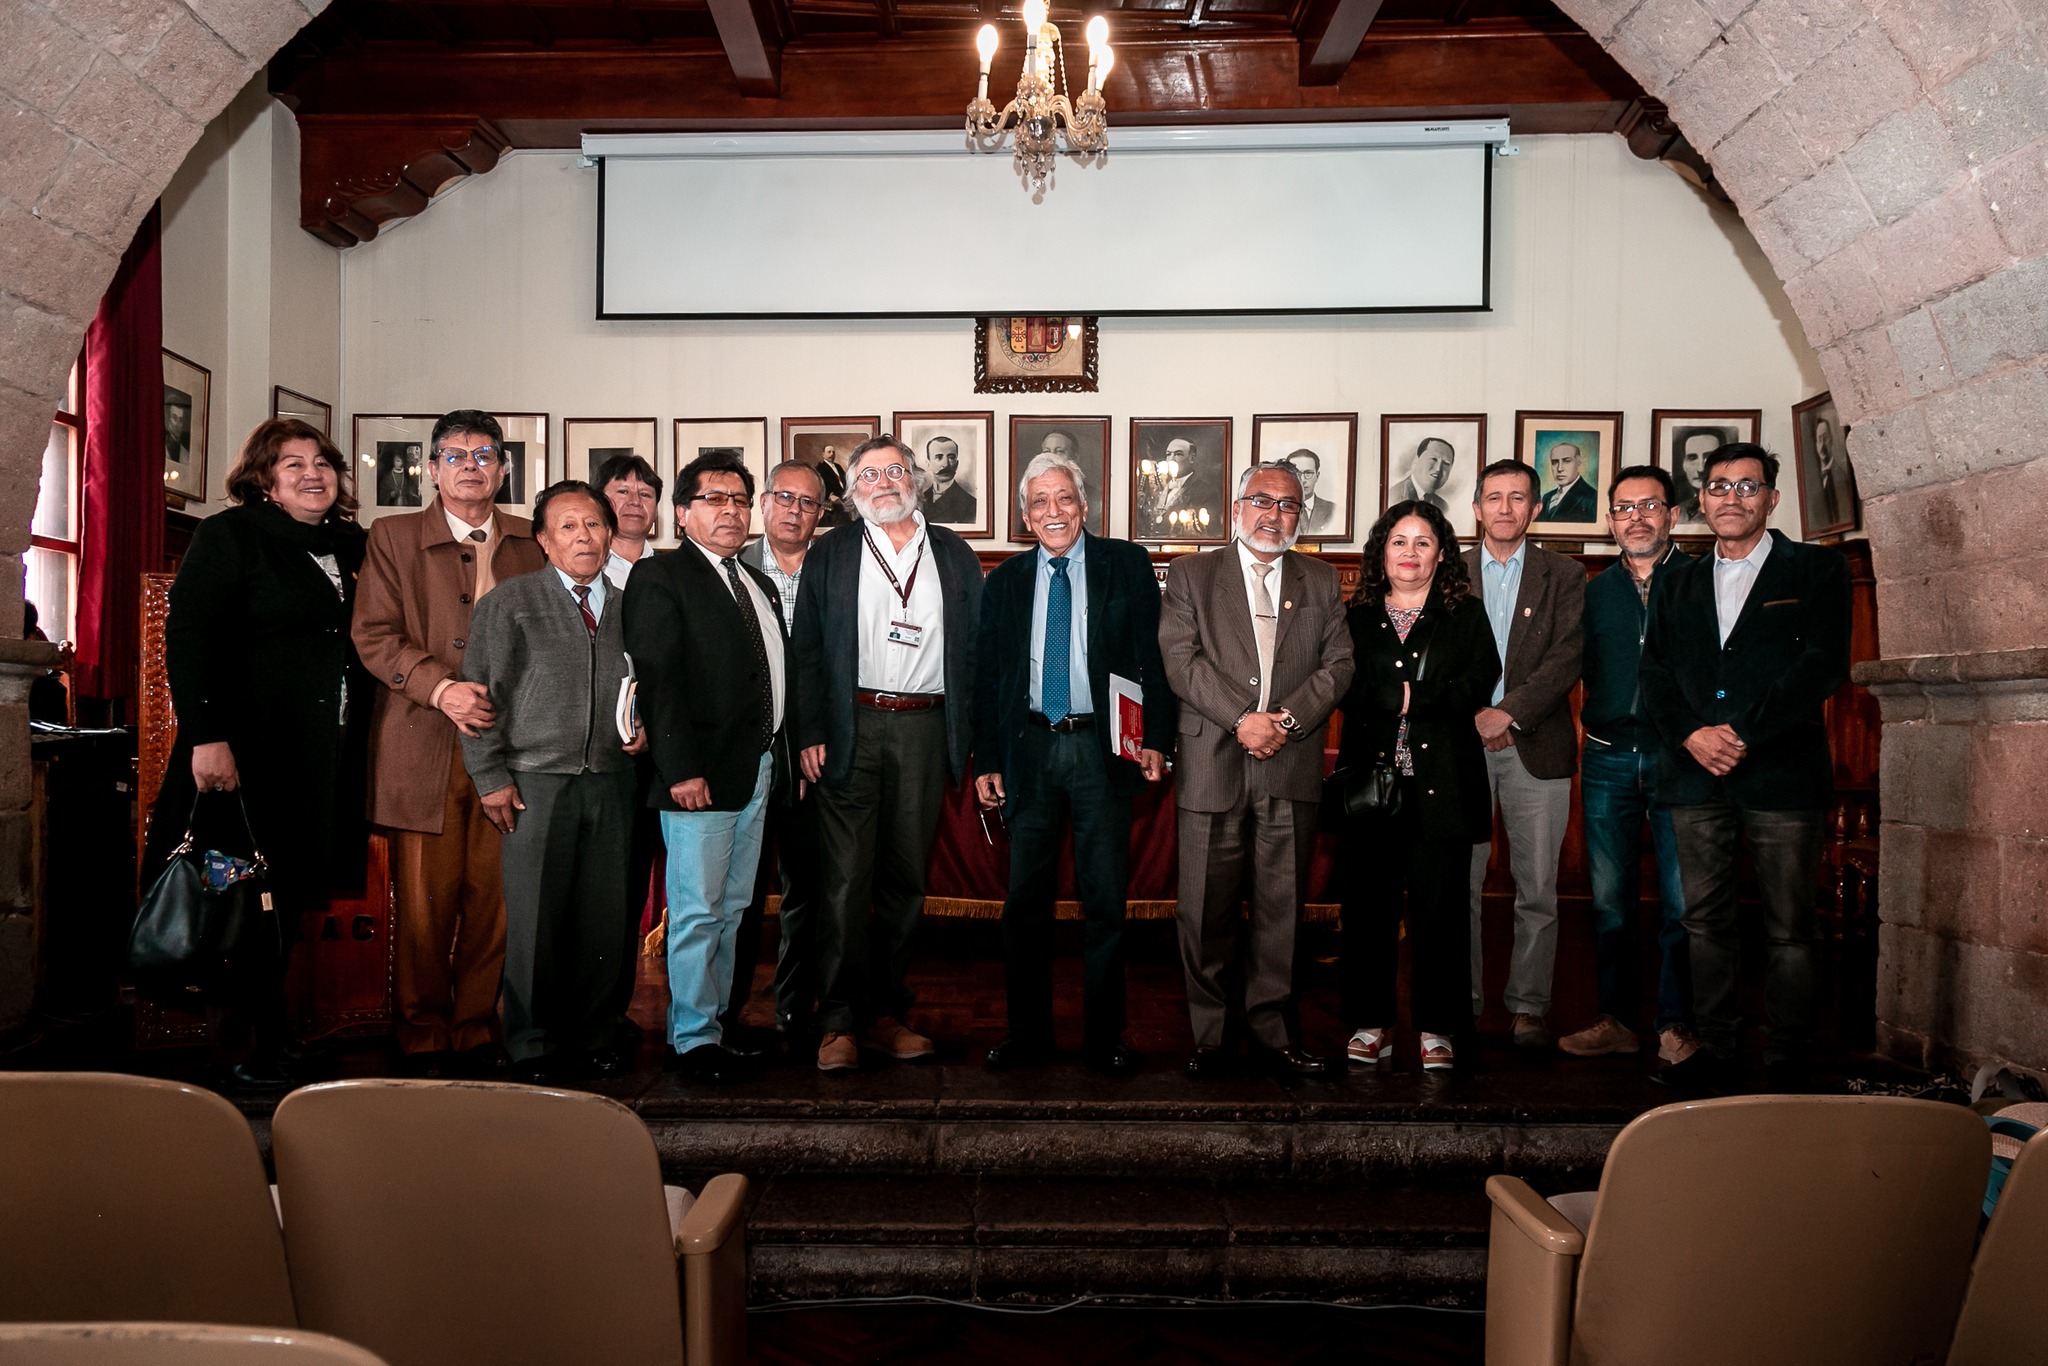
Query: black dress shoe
pixel 746 1041
pixel 1292 1061
pixel 1114 1061
pixel 606 1062
pixel 1702 1074
pixel 711 1062
pixel 485 1062
pixel 434 1063
pixel 1208 1061
pixel 1019 1053
pixel 544 1069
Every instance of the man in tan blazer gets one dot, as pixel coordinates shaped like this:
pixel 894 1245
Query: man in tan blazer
pixel 1256 648
pixel 422 575
pixel 1536 601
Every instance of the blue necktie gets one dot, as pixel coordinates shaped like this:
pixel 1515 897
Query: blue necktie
pixel 1055 685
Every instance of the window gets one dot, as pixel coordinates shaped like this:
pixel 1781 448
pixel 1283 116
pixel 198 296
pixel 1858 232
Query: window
pixel 53 535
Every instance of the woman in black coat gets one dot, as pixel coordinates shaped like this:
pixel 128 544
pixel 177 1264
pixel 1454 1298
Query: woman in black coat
pixel 1426 662
pixel 271 705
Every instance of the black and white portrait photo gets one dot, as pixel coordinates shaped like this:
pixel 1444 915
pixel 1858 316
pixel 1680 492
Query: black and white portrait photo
pixel 512 490
pixel 826 444
pixel 1680 441
pixel 1323 448
pixel 400 469
pixel 1180 480
pixel 1083 440
pixel 1827 490
pixel 391 456
pixel 952 453
pixel 1433 458
pixel 187 397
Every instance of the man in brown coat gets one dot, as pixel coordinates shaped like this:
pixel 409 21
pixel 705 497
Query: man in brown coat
pixel 421 577
pixel 1256 648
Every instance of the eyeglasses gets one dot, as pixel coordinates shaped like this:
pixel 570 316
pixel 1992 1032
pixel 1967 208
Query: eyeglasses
pixel 1642 507
pixel 720 499
pixel 1289 507
pixel 875 473
pixel 1741 488
pixel 795 500
pixel 451 456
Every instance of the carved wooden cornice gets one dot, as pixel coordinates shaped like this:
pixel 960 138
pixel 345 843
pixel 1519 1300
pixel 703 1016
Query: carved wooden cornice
pixel 1650 133
pixel 360 171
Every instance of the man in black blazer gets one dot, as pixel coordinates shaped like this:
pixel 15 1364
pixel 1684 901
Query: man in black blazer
pixel 884 651
pixel 705 634
pixel 1571 497
pixel 1056 623
pixel 1745 646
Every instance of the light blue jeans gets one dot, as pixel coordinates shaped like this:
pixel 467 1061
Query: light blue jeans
pixel 712 859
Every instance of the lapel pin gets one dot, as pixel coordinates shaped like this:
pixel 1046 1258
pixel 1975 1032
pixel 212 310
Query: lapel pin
pixel 1288 603
pixel 1528 611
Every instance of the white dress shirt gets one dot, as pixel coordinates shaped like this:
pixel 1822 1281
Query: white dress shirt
pixel 771 629
pixel 617 567
pixel 885 665
pixel 1250 565
pixel 1732 581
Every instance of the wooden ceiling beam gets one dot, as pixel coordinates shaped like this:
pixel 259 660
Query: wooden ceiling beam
pixel 753 44
pixel 1327 51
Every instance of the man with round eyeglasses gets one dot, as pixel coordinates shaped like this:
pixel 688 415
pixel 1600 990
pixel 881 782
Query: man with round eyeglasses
pixel 422 575
pixel 884 647
pixel 1745 646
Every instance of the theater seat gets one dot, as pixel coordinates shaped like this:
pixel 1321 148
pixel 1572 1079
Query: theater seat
pixel 2001 1323
pixel 128 1198
pixel 1804 1230
pixel 477 1224
pixel 171 1344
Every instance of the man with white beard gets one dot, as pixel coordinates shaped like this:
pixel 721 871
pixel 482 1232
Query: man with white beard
pixel 886 616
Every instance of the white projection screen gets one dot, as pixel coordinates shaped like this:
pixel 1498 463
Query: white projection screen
pixel 1277 218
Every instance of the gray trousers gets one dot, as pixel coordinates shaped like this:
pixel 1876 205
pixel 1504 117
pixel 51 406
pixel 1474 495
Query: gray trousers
pixel 1534 811
pixel 570 930
pixel 1261 846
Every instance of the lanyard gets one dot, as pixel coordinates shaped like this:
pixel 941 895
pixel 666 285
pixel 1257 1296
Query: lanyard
pixel 902 589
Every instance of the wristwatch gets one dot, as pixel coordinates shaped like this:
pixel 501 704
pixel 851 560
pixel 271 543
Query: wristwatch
pixel 1287 721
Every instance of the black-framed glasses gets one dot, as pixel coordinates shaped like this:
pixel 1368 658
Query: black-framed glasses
pixel 484 457
pixel 719 498
pixel 1289 507
pixel 1741 488
pixel 1641 507
pixel 874 473
pixel 785 498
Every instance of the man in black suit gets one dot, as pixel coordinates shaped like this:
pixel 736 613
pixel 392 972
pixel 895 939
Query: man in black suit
pixel 884 651
pixel 1056 623
pixel 1571 496
pixel 705 634
pixel 946 499
pixel 1744 648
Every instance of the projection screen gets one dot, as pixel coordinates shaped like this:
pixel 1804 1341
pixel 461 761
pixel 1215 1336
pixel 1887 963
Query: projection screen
pixel 1274 218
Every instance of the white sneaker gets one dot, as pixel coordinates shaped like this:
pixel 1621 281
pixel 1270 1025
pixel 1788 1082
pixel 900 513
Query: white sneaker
pixel 1436 1053
pixel 1366 1045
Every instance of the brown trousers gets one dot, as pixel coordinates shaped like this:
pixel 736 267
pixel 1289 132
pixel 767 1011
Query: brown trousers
pixel 449 905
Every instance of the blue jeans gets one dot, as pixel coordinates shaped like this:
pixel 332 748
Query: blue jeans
pixel 712 857
pixel 1616 787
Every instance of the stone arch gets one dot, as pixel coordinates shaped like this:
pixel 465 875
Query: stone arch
pixel 1891 158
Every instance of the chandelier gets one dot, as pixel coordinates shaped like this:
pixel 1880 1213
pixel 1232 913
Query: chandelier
pixel 1042 112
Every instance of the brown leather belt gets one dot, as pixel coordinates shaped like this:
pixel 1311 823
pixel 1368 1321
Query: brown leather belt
pixel 900 701
pixel 1066 725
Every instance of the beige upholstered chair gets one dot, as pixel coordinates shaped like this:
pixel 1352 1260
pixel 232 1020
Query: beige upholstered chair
pixel 472 1224
pixel 126 1198
pixel 1764 1230
pixel 2005 1319
pixel 171 1344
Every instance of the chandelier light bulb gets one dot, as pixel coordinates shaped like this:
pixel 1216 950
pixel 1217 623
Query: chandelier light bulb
pixel 1098 31
pixel 1034 19
pixel 986 41
pixel 1107 60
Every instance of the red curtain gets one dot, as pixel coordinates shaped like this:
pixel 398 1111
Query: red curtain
pixel 121 510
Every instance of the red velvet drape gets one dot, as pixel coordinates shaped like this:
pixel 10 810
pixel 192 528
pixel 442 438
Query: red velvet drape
pixel 121 509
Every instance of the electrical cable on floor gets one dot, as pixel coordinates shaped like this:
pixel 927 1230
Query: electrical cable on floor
pixel 1107 1301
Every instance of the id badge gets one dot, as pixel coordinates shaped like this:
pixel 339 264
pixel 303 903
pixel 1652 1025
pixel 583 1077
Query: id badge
pixel 906 633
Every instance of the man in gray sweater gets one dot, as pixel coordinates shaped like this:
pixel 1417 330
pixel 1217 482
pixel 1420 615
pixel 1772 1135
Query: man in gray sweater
pixel 549 649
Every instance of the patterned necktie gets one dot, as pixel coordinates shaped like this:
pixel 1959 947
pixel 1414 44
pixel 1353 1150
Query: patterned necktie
pixel 1055 685
pixel 753 620
pixel 1264 623
pixel 583 606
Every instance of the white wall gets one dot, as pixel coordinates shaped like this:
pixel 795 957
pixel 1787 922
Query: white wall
pixel 1616 285
pixel 247 293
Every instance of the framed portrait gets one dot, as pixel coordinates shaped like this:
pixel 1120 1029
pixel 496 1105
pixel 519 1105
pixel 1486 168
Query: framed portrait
pixel 526 461
pixel 1085 440
pixel 1035 355
pixel 1679 441
pixel 825 443
pixel 1323 448
pixel 744 438
pixel 956 453
pixel 391 455
pixel 1180 472
pixel 1572 454
pixel 1434 458
pixel 1828 505
pixel 587 442
pixel 188 408
pixel 311 411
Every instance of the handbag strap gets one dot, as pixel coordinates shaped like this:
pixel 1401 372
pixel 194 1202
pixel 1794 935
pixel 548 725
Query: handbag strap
pixel 256 859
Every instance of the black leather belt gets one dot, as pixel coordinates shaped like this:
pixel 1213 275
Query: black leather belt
pixel 1066 725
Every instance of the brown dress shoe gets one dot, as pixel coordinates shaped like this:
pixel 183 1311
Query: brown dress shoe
pixel 838 1053
pixel 890 1035
pixel 1529 1031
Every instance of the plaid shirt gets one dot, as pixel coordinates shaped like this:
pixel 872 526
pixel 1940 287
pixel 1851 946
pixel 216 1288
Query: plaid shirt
pixel 762 558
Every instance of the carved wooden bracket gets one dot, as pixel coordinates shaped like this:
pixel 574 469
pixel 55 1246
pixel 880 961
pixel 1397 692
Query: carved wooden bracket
pixel 1647 126
pixel 359 171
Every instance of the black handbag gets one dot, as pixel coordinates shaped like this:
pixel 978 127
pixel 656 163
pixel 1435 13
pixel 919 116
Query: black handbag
pixel 188 933
pixel 1366 789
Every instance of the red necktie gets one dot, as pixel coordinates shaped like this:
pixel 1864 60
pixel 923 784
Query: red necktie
pixel 583 606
